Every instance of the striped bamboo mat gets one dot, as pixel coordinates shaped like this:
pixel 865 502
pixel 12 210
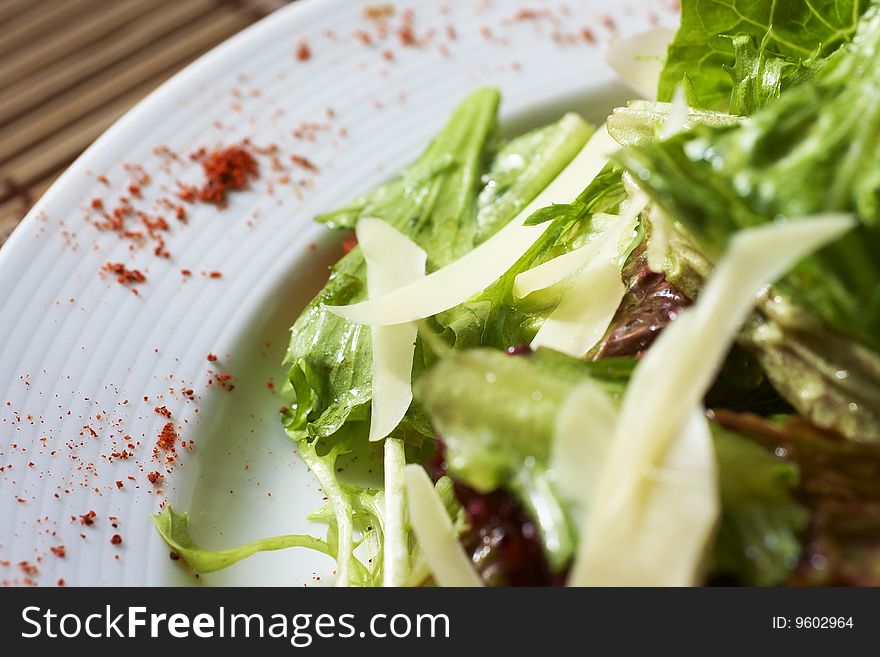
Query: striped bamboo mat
pixel 69 68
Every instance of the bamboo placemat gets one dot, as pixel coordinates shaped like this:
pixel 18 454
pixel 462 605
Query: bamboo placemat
pixel 69 68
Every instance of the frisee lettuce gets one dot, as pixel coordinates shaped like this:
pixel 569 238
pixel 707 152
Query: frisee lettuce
pixel 174 529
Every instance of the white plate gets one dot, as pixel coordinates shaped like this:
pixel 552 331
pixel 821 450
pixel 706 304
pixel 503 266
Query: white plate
pixel 79 350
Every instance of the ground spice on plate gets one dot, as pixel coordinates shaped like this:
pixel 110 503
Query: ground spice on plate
pixel 227 169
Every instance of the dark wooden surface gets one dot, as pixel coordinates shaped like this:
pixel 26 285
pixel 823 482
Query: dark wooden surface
pixel 69 68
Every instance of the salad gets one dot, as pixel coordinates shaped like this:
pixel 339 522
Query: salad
pixel 640 353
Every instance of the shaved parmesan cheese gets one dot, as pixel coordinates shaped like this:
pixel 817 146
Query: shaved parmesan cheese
pixel 669 384
pixel 605 247
pixel 393 260
pixel 584 427
pixel 658 238
pixel 462 279
pixel 446 558
pixel 660 536
pixel 678 115
pixel 393 349
pixel 638 59
pixel 580 320
pixel 583 315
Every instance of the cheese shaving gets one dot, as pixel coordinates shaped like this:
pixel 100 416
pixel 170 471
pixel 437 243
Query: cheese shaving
pixel 462 279
pixel 604 247
pixel 661 226
pixel 580 320
pixel 659 539
pixel 393 260
pixel 433 528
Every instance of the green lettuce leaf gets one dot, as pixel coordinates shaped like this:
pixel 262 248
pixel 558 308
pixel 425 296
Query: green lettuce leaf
pixel 756 75
pixel 354 518
pixel 715 56
pixel 174 529
pixel 354 515
pixel 523 167
pixel 759 535
pixel 489 428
